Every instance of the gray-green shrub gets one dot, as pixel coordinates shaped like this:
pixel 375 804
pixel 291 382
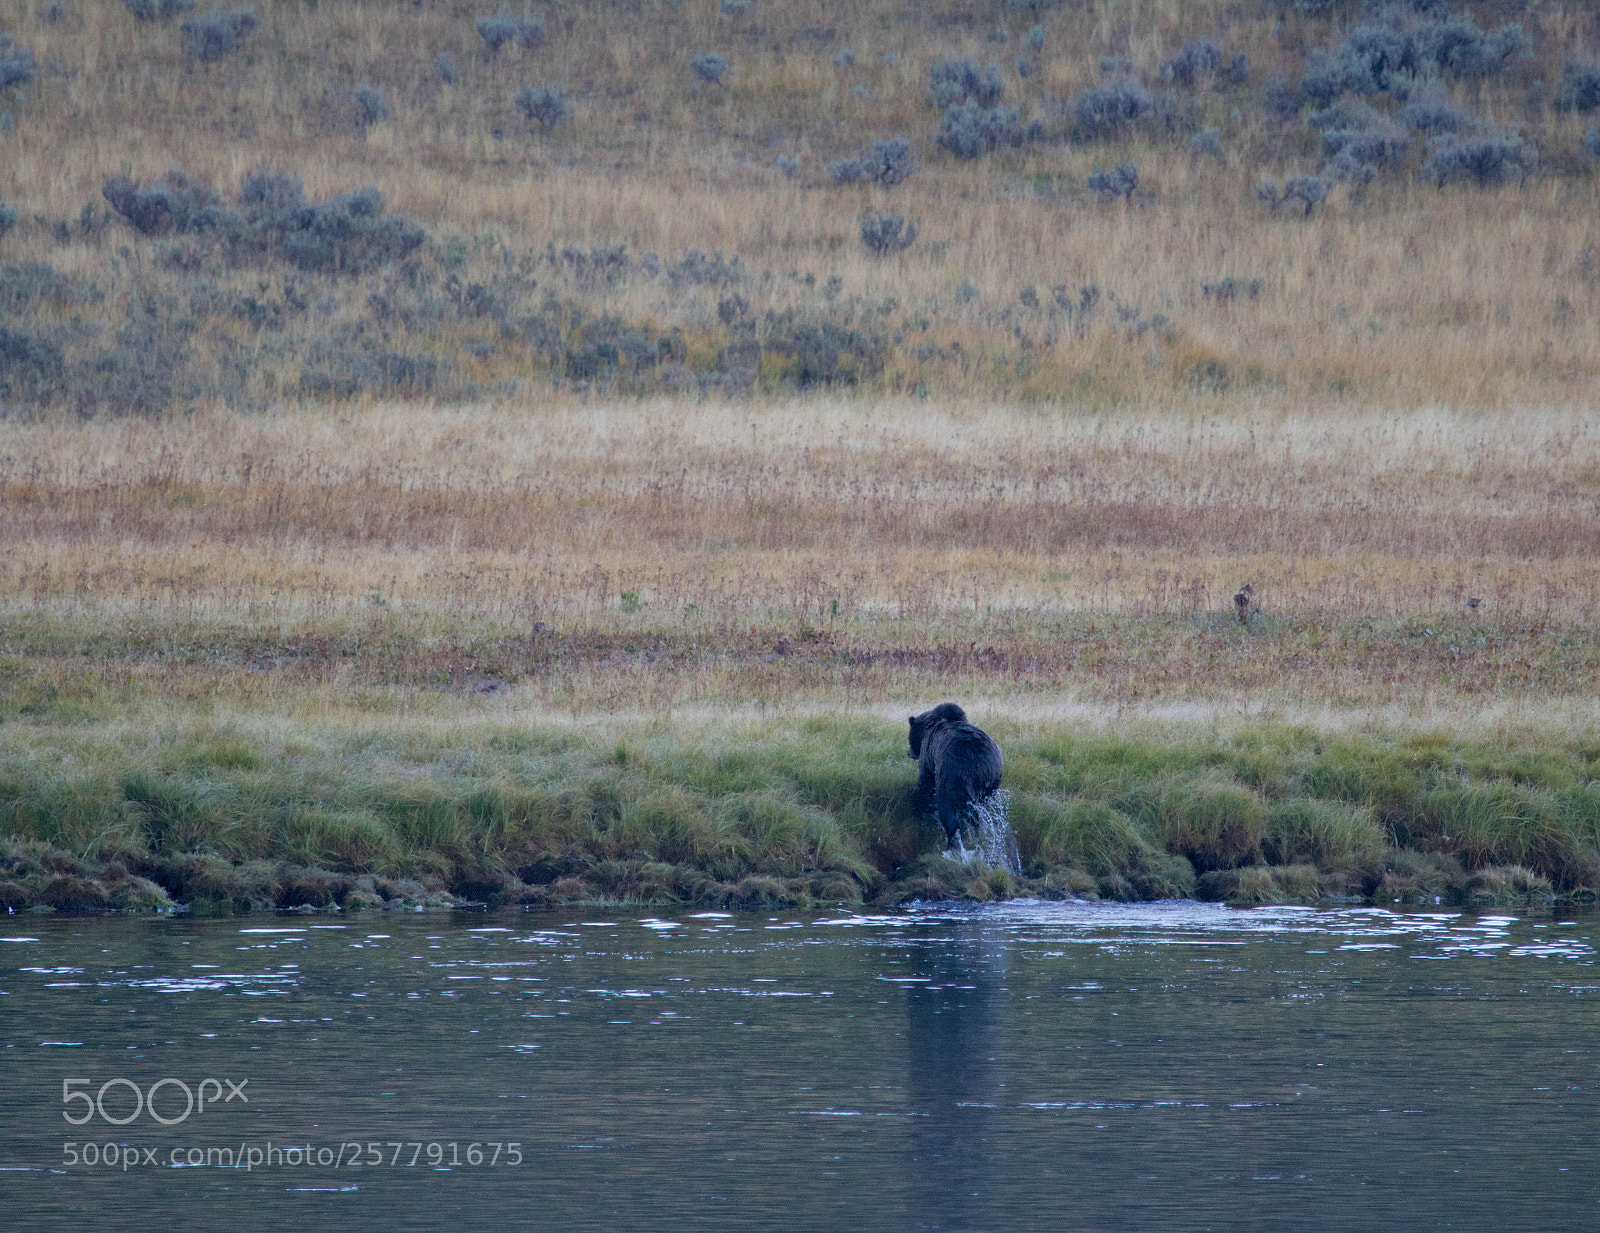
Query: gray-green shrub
pixel 16 63
pixel 1580 86
pixel 371 104
pixel 1310 191
pixel 1120 181
pixel 173 204
pixel 890 161
pixel 709 66
pixel 1487 159
pixel 1196 57
pixel 155 10
pixel 882 234
pixel 1208 143
pixel 545 105
pixel 969 130
pixel 1111 109
pixel 218 33
pixel 500 30
pixel 961 81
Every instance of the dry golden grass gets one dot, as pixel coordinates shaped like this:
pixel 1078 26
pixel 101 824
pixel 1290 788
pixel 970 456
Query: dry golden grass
pixel 1404 296
pixel 1399 422
pixel 652 556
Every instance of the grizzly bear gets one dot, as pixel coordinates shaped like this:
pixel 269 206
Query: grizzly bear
pixel 959 766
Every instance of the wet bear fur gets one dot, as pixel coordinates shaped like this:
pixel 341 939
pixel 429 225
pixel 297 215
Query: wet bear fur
pixel 959 766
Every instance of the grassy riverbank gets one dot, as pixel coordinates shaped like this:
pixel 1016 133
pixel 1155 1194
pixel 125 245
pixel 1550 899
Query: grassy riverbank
pixel 701 387
pixel 664 651
pixel 263 813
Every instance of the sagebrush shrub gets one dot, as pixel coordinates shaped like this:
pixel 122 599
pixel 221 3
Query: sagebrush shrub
pixel 16 63
pixel 1591 142
pixel 155 10
pixel 699 270
pixel 371 105
pixel 889 162
pixel 217 34
pixel 1308 190
pixel 1280 100
pixel 709 66
pixel 1234 73
pixel 1458 47
pixel 1231 288
pixel 1431 111
pixel 1105 111
pixel 264 193
pixel 347 234
pixel 545 105
pixel 502 29
pixel 823 353
pixel 1036 38
pixel 1380 145
pixel 496 32
pixel 971 131
pixel 1120 181
pixel 844 58
pixel 961 81
pixel 1346 113
pixel 173 204
pixel 445 65
pixel 882 234
pixel 1207 142
pixel 1197 56
pixel 8 219
pixel 1326 77
pixel 1580 86
pixel 1487 159
pixel 851 170
pixel 1380 55
pixel 892 161
pixel 30 367
pixel 530 34
pixel 789 165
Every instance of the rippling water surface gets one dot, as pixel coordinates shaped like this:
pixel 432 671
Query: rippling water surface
pixel 1010 1066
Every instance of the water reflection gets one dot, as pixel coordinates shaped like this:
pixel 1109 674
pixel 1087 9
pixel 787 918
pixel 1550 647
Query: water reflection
pixel 955 1025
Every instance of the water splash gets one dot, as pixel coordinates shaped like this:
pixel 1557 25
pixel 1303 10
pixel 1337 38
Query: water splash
pixel 989 830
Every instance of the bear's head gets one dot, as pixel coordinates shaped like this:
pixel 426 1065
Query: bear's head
pixel 921 725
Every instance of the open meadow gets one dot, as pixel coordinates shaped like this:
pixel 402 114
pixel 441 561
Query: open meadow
pixel 705 387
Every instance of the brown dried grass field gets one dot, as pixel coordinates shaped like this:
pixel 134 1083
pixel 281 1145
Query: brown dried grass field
pixel 573 560
pixel 1052 511
pixel 1395 294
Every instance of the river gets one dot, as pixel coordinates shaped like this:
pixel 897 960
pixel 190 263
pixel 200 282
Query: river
pixel 1005 1066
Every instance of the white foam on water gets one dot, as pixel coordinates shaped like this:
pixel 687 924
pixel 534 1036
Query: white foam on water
pixel 994 842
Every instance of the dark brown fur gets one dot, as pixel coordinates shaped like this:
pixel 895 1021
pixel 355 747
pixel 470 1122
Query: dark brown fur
pixel 959 766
